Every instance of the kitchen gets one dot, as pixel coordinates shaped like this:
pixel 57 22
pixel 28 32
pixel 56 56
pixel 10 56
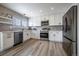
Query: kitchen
pixel 18 27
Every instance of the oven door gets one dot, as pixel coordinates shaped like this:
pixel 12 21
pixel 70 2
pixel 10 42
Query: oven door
pixel 44 36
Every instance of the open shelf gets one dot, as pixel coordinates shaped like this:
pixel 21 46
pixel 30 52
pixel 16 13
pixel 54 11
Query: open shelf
pixel 7 23
pixel 5 18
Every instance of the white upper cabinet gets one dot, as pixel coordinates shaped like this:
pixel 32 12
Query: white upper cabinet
pixel 44 18
pixel 35 21
pixel 58 19
pixel 55 19
pixel 51 20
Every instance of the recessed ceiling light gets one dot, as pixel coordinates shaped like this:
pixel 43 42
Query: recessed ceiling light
pixel 51 8
pixel 41 11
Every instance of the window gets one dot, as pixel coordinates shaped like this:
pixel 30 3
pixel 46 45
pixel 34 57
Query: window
pixel 24 23
pixel 17 22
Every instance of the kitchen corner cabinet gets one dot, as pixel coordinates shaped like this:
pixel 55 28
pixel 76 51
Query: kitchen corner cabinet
pixel 55 36
pixel 36 34
pixel 6 40
pixel 27 34
pixel 35 21
pixel 55 20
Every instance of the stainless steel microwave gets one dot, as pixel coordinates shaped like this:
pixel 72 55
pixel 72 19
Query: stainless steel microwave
pixel 44 23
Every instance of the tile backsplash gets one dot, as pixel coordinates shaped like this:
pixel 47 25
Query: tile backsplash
pixel 55 28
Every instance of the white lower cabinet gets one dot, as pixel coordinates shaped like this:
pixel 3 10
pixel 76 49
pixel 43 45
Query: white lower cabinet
pixel 6 40
pixel 26 35
pixel 35 34
pixel 55 36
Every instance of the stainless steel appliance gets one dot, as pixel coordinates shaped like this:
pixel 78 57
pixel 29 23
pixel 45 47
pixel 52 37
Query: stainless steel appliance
pixel 18 38
pixel 44 23
pixel 44 35
pixel 70 31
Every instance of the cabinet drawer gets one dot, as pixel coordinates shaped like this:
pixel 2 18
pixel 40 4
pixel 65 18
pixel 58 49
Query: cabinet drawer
pixel 55 36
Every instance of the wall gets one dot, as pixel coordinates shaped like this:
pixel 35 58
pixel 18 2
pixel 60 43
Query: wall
pixel 1 41
pixel 14 14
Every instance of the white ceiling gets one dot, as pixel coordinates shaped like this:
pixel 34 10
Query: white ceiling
pixel 37 9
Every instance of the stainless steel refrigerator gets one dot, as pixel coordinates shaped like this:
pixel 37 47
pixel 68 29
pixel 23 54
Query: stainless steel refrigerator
pixel 70 31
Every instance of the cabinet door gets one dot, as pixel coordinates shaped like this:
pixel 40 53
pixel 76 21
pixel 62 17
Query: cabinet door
pixel 58 20
pixel 36 34
pixel 44 18
pixel 51 36
pixel 30 22
pixel 35 21
pixel 58 36
pixel 8 40
pixel 55 19
pixel 51 20
pixel 26 35
pixel 55 36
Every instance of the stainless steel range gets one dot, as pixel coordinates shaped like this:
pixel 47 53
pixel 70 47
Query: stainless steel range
pixel 44 35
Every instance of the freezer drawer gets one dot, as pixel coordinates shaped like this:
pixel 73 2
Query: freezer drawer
pixel 69 47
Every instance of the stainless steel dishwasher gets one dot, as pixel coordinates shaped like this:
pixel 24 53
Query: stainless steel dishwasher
pixel 18 38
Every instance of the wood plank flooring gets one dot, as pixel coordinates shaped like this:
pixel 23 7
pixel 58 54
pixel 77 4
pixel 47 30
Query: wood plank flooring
pixel 34 47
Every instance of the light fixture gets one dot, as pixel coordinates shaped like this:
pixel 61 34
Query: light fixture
pixel 51 8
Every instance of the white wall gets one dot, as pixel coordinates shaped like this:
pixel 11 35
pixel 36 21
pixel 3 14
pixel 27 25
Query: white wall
pixel 1 41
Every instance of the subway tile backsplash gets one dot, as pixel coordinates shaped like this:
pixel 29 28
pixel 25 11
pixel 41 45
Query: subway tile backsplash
pixel 54 28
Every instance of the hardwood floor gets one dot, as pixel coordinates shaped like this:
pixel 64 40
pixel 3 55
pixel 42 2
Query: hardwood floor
pixel 34 47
